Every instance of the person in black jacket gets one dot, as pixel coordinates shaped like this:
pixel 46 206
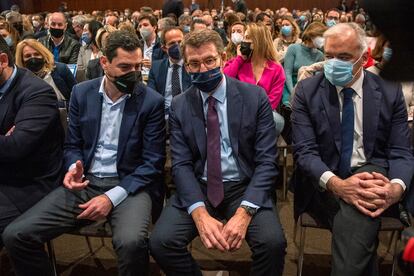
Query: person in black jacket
pixel 31 139
pixel 64 48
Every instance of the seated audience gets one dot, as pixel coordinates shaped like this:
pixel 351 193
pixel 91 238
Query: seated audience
pixel 114 160
pixel 31 140
pixel 32 55
pixel 237 31
pixel 64 48
pixel 169 76
pixel 289 34
pixel 218 173
pixel 351 145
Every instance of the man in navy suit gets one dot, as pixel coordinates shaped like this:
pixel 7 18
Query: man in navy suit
pixel 31 139
pixel 223 146
pixel 114 156
pixel 352 150
pixel 168 76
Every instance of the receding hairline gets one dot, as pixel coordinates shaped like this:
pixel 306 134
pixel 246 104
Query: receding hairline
pixel 58 13
pixel 345 30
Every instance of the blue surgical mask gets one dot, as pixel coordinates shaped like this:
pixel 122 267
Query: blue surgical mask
pixel 186 29
pixel 330 23
pixel 85 38
pixel 286 30
pixel 387 54
pixel 339 72
pixel 174 52
pixel 302 18
pixel 9 41
pixel 207 81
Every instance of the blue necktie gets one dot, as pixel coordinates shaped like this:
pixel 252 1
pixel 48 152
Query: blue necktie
pixel 347 133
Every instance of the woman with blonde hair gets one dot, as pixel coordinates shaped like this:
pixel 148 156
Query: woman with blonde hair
pixel 289 34
pixel 32 55
pixel 256 63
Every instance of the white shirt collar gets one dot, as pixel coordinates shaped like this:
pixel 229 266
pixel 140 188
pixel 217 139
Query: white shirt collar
pixel 357 85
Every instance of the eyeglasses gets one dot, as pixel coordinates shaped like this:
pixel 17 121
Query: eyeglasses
pixel 209 63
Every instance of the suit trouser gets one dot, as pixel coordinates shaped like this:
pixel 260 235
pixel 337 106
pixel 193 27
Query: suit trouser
pixel 56 214
pixel 354 235
pixel 175 229
pixel 8 212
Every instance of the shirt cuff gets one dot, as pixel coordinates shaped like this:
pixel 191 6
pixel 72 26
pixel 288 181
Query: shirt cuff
pixel 117 194
pixel 399 182
pixel 325 178
pixel 249 204
pixel 194 206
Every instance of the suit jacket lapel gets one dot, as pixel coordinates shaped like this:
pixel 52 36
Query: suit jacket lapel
pixel 94 110
pixel 132 105
pixel 163 77
pixel 5 100
pixel 371 102
pixel 198 121
pixel 234 114
pixel 331 103
pixel 186 80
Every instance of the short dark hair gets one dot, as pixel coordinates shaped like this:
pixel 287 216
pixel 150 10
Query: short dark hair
pixel 152 20
pixel 120 39
pixel 200 37
pixel 168 29
pixel 4 48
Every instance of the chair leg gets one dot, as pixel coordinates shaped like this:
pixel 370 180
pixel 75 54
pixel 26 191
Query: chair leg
pixel 284 174
pixel 295 231
pixel 88 241
pixel 301 250
pixel 390 241
pixel 52 257
pixel 394 255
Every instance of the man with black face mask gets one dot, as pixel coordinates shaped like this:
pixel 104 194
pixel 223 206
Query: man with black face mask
pixel 168 76
pixel 114 157
pixel 64 48
pixel 223 146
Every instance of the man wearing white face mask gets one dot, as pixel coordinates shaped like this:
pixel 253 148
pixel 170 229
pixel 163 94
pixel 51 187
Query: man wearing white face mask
pixel 147 25
pixel 352 149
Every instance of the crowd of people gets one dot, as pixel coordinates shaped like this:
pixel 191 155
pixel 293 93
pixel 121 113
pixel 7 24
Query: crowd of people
pixel 90 102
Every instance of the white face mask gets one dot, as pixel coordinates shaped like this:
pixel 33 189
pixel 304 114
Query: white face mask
pixel 236 38
pixel 319 42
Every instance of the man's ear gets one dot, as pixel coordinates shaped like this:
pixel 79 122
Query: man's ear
pixel 104 62
pixel 4 60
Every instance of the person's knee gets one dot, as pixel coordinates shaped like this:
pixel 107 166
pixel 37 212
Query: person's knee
pixel 273 243
pixel 130 244
pixel 11 235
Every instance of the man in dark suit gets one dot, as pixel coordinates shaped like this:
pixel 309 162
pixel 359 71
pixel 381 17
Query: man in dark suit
pixel 223 146
pixel 352 150
pixel 168 76
pixel 31 139
pixel 114 154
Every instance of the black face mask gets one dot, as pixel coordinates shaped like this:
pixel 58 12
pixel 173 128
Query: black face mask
pixel 34 64
pixel 127 82
pixel 58 33
pixel 245 49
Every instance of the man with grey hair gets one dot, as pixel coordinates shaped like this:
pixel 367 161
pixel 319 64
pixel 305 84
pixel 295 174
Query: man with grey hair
pixel 78 22
pixel 352 149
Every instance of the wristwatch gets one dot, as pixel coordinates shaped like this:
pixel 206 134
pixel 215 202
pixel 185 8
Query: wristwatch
pixel 249 210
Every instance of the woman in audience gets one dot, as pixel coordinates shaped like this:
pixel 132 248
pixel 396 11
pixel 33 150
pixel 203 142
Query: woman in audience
pixel 10 35
pixel 32 55
pixel 88 51
pixel 382 54
pixel 289 34
pixel 236 37
pixel 303 54
pixel 256 63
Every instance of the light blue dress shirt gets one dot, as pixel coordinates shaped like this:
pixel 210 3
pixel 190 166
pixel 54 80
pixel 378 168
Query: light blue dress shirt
pixel 229 167
pixel 104 160
pixel 168 88
pixel 8 82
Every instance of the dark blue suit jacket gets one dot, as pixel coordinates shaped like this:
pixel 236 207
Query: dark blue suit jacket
pixel 141 147
pixel 158 76
pixel 30 158
pixel 252 136
pixel 317 133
